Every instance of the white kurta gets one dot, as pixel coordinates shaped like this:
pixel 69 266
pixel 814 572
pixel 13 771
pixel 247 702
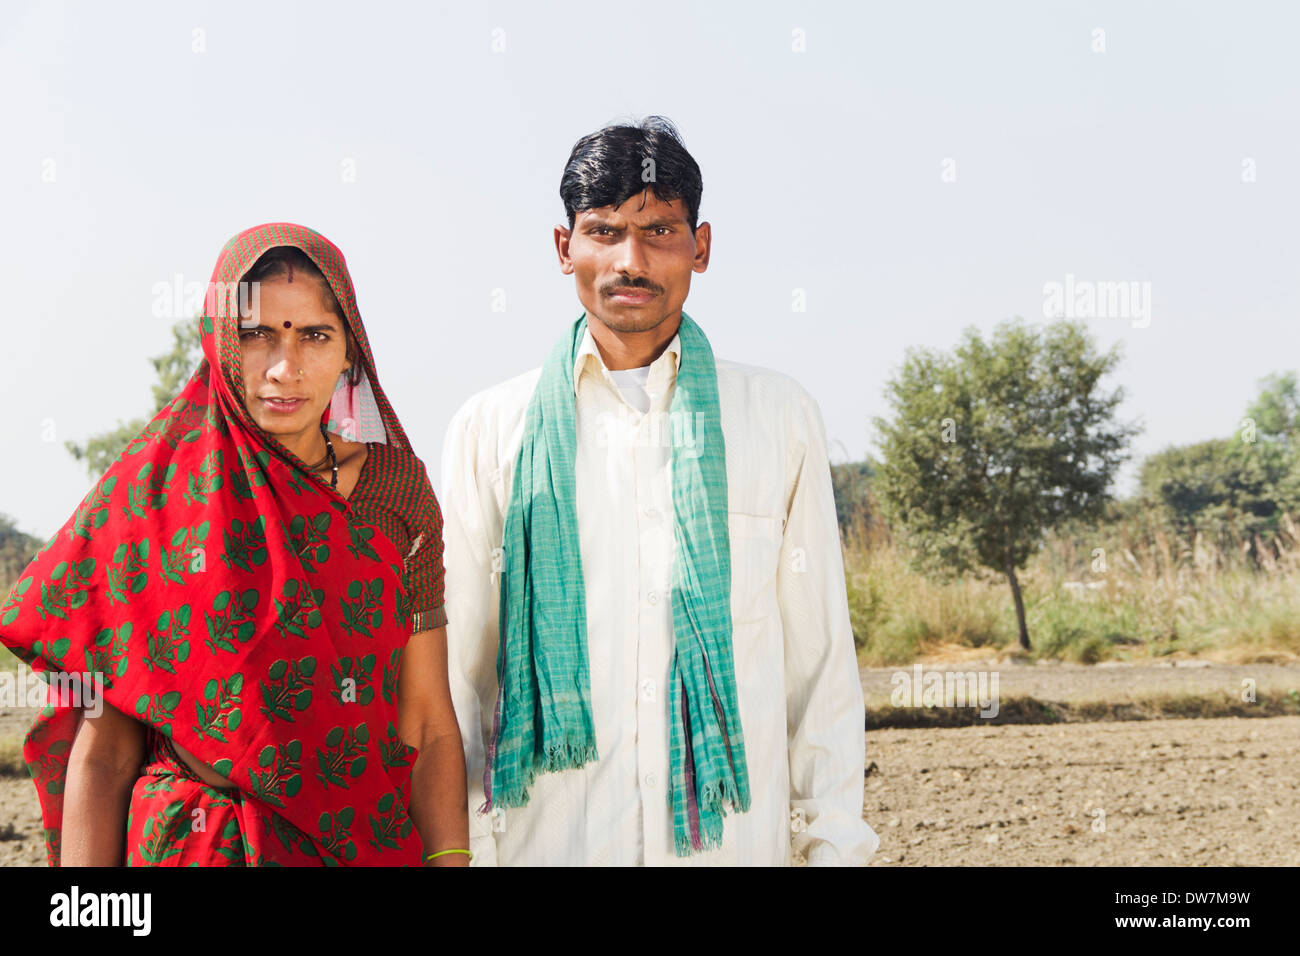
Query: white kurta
pixel 799 695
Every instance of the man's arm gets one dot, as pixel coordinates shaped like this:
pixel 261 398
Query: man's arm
pixel 825 712
pixel 472 595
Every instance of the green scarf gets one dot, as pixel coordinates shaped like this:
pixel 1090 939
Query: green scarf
pixel 543 712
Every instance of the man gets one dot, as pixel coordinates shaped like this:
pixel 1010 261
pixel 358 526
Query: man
pixel 649 628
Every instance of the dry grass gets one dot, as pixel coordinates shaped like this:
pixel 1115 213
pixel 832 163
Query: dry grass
pixel 1123 591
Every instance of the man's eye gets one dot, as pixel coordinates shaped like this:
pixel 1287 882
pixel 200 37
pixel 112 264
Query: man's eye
pixel 245 333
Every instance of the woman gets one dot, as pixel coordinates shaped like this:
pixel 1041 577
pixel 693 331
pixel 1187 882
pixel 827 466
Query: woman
pixel 257 582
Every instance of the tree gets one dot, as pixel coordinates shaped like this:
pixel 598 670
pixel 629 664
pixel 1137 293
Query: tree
pixel 851 485
pixel 173 368
pixel 17 548
pixel 994 444
pixel 1234 489
pixel 1276 413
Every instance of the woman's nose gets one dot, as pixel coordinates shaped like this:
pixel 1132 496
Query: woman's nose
pixel 284 364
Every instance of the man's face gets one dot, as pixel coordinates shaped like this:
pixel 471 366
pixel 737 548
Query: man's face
pixel 633 262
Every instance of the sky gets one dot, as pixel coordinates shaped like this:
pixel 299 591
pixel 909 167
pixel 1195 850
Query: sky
pixel 878 176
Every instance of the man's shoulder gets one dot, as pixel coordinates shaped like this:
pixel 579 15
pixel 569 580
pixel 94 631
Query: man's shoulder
pixel 756 383
pixel 497 405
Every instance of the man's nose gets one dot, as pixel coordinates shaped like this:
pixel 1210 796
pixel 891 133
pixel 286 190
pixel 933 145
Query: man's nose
pixel 631 259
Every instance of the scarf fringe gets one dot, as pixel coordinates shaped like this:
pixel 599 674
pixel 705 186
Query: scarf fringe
pixel 710 839
pixel 565 755
pixel 713 803
pixel 718 796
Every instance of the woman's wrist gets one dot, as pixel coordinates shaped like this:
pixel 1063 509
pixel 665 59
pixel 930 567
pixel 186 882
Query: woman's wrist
pixel 451 856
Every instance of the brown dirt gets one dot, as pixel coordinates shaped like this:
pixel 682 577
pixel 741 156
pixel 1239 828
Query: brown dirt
pixel 20 824
pixel 1205 792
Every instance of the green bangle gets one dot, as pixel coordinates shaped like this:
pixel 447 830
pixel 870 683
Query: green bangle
pixel 430 856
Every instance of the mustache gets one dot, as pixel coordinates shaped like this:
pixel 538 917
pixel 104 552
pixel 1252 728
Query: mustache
pixel 644 284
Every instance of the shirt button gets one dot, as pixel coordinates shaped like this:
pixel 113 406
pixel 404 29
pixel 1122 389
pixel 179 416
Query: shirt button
pixel 652 512
pixel 653 597
pixel 648 689
pixel 650 780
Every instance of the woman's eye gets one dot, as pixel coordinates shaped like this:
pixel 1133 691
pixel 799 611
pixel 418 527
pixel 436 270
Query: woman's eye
pixel 264 333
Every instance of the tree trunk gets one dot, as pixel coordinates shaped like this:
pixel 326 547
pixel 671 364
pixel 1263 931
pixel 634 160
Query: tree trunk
pixel 1020 602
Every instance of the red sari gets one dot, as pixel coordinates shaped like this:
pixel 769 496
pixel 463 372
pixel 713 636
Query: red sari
pixel 240 606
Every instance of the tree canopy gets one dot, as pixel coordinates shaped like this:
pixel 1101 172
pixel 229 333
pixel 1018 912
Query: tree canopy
pixel 991 445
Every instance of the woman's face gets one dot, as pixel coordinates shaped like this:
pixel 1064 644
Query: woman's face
pixel 294 349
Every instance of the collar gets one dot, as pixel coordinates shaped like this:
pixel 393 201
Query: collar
pixel 667 363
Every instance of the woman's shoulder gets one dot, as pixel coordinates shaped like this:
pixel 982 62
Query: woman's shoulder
pixel 396 474
pixel 392 453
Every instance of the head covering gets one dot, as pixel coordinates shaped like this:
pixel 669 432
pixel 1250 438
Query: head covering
pixel 231 599
pixel 543 717
pixel 353 413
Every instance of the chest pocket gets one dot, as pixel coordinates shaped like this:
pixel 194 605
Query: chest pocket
pixel 755 554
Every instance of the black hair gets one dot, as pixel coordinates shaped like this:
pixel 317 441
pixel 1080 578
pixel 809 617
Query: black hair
pixel 283 260
pixel 611 165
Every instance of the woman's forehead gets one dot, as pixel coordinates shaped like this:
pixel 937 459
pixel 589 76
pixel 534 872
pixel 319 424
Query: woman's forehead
pixel 306 298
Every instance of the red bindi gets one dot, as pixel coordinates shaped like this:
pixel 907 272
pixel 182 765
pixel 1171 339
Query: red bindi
pixel 288 325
